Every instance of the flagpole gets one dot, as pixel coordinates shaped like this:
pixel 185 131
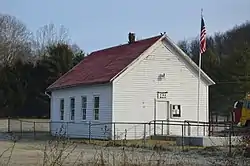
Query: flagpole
pixel 199 77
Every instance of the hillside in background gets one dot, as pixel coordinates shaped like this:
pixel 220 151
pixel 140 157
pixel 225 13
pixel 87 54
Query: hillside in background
pixel 227 62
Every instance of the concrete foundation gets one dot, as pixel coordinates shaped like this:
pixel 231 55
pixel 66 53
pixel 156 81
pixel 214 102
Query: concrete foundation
pixel 207 141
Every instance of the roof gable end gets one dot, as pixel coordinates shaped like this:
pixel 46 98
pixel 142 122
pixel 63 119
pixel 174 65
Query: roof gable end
pixel 189 60
pixel 177 50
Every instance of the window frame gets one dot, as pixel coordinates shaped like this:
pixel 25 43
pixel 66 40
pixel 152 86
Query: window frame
pixel 96 108
pixel 84 109
pixel 61 109
pixel 72 109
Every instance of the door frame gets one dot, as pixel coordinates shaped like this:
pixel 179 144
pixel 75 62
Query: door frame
pixel 155 112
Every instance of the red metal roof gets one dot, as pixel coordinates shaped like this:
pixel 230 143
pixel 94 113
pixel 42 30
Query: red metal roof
pixel 101 66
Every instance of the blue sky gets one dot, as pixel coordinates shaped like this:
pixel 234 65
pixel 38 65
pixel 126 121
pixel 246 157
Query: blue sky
pixel 96 24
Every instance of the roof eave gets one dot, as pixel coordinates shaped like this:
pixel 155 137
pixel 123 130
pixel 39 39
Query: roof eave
pixel 75 85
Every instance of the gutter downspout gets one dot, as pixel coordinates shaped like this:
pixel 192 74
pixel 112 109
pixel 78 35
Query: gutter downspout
pixel 46 93
pixel 50 121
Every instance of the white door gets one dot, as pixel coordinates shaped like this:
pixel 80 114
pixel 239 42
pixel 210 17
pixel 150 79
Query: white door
pixel 162 117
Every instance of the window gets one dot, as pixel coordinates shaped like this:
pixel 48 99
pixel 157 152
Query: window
pixel 176 111
pixel 61 109
pixel 84 107
pixel 248 105
pixel 96 107
pixel 72 108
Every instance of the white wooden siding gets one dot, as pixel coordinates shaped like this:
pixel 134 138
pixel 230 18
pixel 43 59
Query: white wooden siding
pixel 134 93
pixel 79 127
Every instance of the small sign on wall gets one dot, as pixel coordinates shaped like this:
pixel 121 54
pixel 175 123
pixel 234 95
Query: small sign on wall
pixel 162 95
pixel 176 111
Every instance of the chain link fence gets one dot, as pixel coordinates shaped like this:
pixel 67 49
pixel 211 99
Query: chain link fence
pixel 24 128
pixel 162 133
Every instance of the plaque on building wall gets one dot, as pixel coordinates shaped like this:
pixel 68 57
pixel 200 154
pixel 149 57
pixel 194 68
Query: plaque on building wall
pixel 162 95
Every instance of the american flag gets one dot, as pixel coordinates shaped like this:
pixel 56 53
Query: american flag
pixel 202 37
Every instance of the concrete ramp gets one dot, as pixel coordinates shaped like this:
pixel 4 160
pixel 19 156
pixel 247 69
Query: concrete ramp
pixel 207 141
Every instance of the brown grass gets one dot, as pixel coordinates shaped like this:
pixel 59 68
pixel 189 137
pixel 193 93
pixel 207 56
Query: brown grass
pixel 65 152
pixel 61 151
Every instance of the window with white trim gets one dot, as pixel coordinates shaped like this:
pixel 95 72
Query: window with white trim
pixel 61 109
pixel 72 108
pixel 84 107
pixel 96 107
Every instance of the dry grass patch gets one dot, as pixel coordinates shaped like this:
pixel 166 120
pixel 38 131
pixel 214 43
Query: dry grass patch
pixel 62 152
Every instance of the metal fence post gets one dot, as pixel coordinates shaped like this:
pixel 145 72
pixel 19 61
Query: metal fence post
pixel 154 116
pixel 184 125
pixel 8 124
pixel 21 128
pixel 225 125
pixel 154 127
pixel 67 129
pixel 149 128
pixel 161 127
pixel 114 134
pixel 34 126
pixel 144 135
pixel 230 142
pixel 189 129
pixel 89 131
pixel 204 129
pixel 50 132
pixel 182 137
pixel 232 127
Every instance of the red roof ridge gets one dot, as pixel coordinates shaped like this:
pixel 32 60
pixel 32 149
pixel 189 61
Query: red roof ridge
pixel 124 44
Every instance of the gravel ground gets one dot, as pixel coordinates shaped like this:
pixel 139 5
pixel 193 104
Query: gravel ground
pixel 32 153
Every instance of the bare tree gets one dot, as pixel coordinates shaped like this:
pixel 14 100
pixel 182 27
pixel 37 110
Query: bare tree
pixel 184 45
pixel 48 35
pixel 15 39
